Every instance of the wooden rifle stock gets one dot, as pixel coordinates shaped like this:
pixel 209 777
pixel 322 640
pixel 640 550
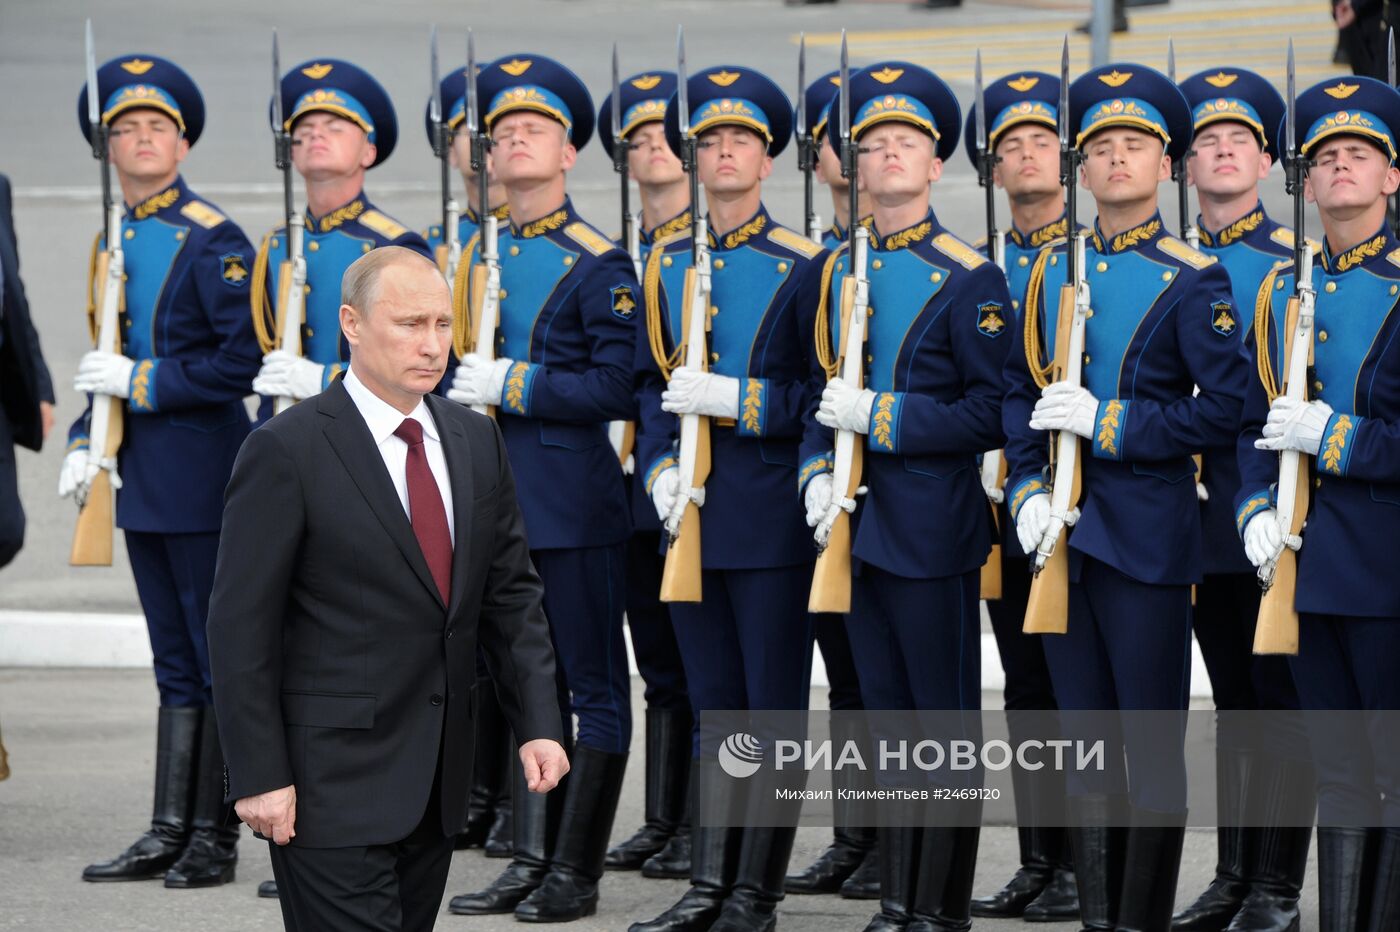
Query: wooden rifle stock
pixel 681 576
pixel 995 464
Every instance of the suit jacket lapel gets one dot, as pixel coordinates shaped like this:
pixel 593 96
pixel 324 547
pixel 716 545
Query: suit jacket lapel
pixel 457 452
pixel 349 436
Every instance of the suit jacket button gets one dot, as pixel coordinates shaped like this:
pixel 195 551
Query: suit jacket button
pixel 449 633
pixel 435 699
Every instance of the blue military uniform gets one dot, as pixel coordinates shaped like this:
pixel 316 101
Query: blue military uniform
pixel 568 309
pixel 342 235
pixel 1249 863
pixel 184 322
pixel 1018 99
pixel 1163 323
pixel 1348 604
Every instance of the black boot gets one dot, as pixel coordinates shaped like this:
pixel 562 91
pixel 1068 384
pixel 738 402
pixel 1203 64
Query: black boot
pixel 1098 845
pixel 899 867
pixel 535 823
pixel 486 767
pixel 673 861
pixel 177 734
pixel 212 852
pixel 1150 870
pixel 831 868
pixel 1058 901
pixel 947 864
pixel 1025 885
pixel 758 888
pixel 570 888
pixel 864 883
pixel 500 839
pixel 1385 898
pixel 667 775
pixel 714 855
pixel 1284 797
pixel 268 889
pixel 1344 888
pixel 1214 908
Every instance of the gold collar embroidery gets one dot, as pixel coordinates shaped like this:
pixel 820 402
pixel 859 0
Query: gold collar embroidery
pixel 746 232
pixel 1040 237
pixel 1235 231
pixel 156 202
pixel 671 227
pixel 1130 238
pixel 1358 254
pixel 339 216
pixel 545 224
pixel 500 213
pixel 906 238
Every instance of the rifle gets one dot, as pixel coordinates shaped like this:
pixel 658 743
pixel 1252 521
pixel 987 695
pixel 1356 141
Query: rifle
pixel 623 434
pixel 92 537
pixel 1390 79
pixel 806 147
pixel 1047 610
pixel 831 578
pixel 449 252
pixel 479 336
pixel 1183 203
pixel 681 577
pixel 291 290
pixel 1277 629
pixel 993 465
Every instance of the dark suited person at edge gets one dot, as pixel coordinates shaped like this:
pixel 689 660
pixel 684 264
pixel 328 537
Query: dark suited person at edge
pixel 371 538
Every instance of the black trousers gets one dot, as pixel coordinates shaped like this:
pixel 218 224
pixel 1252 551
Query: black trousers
pixel 371 888
pixel 11 512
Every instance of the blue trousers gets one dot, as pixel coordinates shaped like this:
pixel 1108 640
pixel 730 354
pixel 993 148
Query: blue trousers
pixel 1351 663
pixel 748 645
pixel 1028 686
pixel 649 620
pixel 843 683
pixel 11 511
pixel 1128 647
pixel 584 589
pixel 174 577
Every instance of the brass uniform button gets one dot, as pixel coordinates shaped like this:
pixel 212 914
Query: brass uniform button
pixel 719 263
pixel 1023 261
pixel 515 250
pixel 313 246
pixel 1101 267
pixel 1330 287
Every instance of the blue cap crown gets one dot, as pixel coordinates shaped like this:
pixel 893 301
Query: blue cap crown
pixel 148 82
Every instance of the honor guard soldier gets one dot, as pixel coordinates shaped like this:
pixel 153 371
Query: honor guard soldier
pixel 850 864
pixel 661 847
pixel 745 645
pixel 1160 321
pixel 489 805
pixel 930 403
pixel 186 361
pixel 1022 112
pixel 342 124
pixel 1346 424
pixel 558 370
pixel 1259 868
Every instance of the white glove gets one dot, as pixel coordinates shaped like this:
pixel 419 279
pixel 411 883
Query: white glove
pixel 1063 406
pixel 76 473
pixel 1202 493
pixel 665 490
pixel 817 497
pixel 287 375
pixel 691 391
pixel 845 407
pixel 1263 537
pixel 1295 425
pixel 479 381
pixel 629 465
pixel 104 373
pixel 1032 521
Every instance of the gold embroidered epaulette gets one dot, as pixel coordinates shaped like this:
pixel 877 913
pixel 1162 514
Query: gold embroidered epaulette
pixel 958 251
pixel 383 224
pixel 202 214
pixel 1179 250
pixel 588 238
pixel 794 241
pixel 1393 257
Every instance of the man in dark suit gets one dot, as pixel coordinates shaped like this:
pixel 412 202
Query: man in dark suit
pixel 26 393
pixel 371 538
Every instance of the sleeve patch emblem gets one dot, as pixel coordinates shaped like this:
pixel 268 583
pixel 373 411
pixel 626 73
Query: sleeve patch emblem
pixel 991 319
pixel 235 269
pixel 1222 318
pixel 624 302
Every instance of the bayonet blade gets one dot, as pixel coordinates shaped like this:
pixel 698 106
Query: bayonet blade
pixel 1171 60
pixel 277 127
pixel 94 105
pixel 1290 118
pixel 435 87
pixel 979 104
pixel 616 101
pixel 471 84
pixel 802 85
pixel 1064 96
pixel 682 92
pixel 1390 55
pixel 845 124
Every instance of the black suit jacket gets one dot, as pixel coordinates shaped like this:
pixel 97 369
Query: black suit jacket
pixel 336 665
pixel 24 378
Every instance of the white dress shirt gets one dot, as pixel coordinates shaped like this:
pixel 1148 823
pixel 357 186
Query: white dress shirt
pixel 383 419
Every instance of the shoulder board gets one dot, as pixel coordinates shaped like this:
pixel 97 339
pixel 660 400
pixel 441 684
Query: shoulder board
pixel 979 243
pixel 588 238
pixel 794 241
pixel 383 224
pixel 202 214
pixel 1283 236
pixel 1179 250
pixel 958 251
pixel 1393 257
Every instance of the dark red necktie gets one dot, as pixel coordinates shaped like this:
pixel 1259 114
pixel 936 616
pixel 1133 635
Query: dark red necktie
pixel 425 509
